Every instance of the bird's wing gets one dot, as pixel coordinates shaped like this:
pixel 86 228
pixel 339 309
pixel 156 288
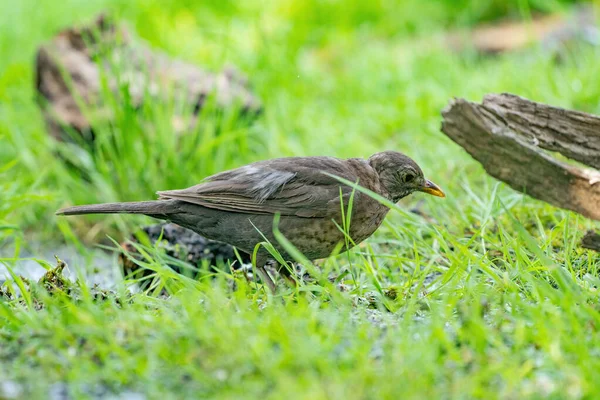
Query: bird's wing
pixel 288 186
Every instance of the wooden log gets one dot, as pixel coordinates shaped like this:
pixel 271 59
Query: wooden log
pixel 513 138
pixel 74 69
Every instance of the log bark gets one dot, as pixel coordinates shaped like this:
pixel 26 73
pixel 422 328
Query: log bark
pixel 514 138
pixel 75 69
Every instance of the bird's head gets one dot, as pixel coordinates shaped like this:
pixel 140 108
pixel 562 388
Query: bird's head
pixel 401 176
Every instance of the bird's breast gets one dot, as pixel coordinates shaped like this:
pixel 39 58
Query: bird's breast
pixel 365 221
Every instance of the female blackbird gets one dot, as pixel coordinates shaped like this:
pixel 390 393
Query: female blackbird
pixel 238 206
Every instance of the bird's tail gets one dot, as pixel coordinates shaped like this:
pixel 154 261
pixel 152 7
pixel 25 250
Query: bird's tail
pixel 156 207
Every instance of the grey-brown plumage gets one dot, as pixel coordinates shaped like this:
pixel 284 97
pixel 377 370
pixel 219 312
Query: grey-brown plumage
pixel 238 206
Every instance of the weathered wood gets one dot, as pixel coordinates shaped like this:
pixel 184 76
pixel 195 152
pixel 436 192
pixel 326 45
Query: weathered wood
pixel 508 135
pixel 574 134
pixel 75 69
pixel 591 241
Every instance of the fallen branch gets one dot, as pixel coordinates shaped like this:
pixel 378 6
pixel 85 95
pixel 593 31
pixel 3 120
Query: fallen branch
pixel 510 137
pixel 514 138
pixel 75 68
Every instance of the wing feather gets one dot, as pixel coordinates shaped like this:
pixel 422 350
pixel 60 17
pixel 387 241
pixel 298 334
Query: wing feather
pixel 288 186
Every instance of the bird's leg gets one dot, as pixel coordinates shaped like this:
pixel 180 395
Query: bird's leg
pixel 264 276
pixel 287 274
pixel 261 263
pixel 291 281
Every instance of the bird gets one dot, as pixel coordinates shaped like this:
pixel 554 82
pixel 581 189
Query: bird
pixel 239 206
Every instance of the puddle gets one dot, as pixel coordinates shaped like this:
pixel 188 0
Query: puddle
pixel 97 266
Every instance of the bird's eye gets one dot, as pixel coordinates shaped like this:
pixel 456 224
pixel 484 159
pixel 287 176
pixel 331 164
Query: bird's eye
pixel 409 177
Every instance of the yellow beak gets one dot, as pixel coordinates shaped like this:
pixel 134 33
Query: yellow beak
pixel 432 188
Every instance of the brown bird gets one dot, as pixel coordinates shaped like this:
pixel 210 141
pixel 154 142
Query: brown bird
pixel 238 206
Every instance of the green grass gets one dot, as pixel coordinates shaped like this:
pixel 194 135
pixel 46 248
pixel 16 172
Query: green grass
pixel 492 299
